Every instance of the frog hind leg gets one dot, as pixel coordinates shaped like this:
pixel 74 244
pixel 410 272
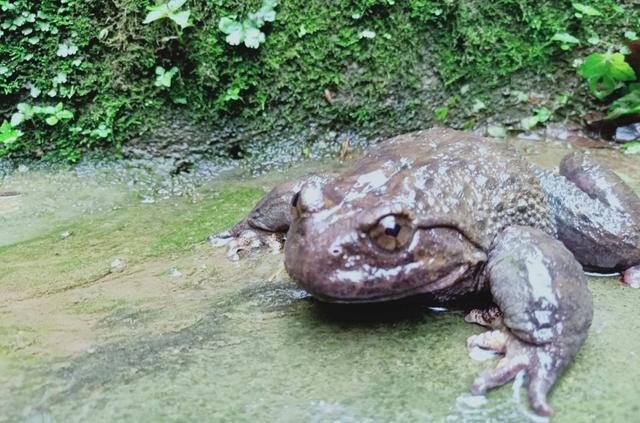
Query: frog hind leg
pixel 546 312
pixel 597 214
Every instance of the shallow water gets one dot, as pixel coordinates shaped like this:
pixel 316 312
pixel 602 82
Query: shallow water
pixel 112 307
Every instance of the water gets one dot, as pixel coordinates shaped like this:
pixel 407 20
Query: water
pixel 113 307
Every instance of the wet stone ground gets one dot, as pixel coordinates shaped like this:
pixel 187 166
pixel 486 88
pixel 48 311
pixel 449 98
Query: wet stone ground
pixel 114 308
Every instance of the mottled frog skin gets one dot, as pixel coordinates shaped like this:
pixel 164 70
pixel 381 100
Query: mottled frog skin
pixel 452 215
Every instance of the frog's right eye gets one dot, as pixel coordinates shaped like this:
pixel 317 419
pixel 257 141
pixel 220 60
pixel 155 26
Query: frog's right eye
pixel 391 233
pixel 295 211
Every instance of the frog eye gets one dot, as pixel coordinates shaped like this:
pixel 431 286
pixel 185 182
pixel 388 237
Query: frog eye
pixel 391 233
pixel 295 211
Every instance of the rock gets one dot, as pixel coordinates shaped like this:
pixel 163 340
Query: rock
pixel 118 265
pixel 66 234
pixel 627 133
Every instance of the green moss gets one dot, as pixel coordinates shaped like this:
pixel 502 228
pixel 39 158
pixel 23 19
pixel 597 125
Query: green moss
pixel 384 84
pixel 134 234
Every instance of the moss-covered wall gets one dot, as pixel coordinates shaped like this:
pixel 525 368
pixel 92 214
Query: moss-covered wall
pixel 372 65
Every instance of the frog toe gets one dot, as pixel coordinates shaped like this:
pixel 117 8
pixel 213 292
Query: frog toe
pixel 506 370
pixel 541 363
pixel 246 241
pixel 632 277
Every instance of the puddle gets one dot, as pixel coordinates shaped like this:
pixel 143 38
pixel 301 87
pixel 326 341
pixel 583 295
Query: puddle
pixel 113 307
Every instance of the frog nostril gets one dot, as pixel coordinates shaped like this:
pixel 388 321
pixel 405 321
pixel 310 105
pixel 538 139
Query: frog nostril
pixel 336 251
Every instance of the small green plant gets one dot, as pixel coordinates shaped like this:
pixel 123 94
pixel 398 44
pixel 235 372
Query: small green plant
pixel 164 77
pixel 566 40
pixel 632 147
pixel 585 10
pixel 628 104
pixel 8 134
pixel 170 11
pixel 52 114
pixel 441 113
pixel 540 115
pixel 248 31
pixel 605 73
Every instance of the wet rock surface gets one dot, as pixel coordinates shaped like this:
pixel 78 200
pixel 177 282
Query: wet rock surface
pixel 133 316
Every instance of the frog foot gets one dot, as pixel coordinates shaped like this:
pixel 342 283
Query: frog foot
pixel 491 317
pixel 632 277
pixel 242 242
pixel 538 361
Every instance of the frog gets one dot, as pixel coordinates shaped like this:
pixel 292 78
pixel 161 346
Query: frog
pixel 450 215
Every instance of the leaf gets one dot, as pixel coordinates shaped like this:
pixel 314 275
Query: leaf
pixel 174 5
pixel 229 25
pixel 586 10
pixel 17 119
pixel 542 114
pixel 66 49
pixel 632 147
pixel 8 135
pixel 478 105
pixel 529 122
pixel 565 38
pixel 441 113
pixel 630 35
pixel 51 120
pixel 181 19
pixel 604 72
pixel 164 77
pixel 64 115
pixel 253 37
pixel 156 13
pixel 626 105
pixel 367 34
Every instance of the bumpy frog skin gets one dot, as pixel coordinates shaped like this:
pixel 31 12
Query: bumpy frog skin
pixel 450 215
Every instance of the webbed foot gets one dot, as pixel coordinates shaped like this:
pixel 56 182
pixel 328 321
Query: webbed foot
pixel 546 312
pixel 541 363
pixel 241 242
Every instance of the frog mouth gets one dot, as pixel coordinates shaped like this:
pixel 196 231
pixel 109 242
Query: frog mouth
pixel 358 296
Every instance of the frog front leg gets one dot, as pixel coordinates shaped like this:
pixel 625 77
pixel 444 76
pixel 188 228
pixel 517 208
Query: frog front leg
pixel 267 223
pixel 546 312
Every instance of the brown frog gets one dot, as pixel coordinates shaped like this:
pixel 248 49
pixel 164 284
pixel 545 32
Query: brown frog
pixel 452 215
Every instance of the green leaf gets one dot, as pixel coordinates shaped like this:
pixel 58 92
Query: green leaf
pixel 542 114
pixel 64 115
pixel 626 105
pixel 367 34
pixel 441 113
pixel 229 25
pixel 66 49
pixel 164 78
pixel 632 147
pixel 630 35
pixel 51 120
pixel 529 122
pixel 181 19
pixel 235 38
pixel 174 5
pixel 8 135
pixel 156 13
pixel 478 105
pixel 565 38
pixel 605 71
pixel 586 10
pixel 253 37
